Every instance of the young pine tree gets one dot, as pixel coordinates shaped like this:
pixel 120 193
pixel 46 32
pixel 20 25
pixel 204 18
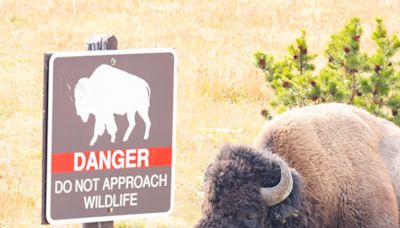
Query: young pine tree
pixel 350 76
pixel 291 78
pixel 381 85
pixel 346 59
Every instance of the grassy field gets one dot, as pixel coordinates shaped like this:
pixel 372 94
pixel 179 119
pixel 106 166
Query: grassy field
pixel 220 92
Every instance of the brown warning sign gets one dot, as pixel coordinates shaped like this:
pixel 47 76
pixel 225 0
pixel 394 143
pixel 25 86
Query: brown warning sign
pixel 110 135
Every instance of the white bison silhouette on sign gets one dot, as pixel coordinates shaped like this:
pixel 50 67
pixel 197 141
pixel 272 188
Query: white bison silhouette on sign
pixel 110 91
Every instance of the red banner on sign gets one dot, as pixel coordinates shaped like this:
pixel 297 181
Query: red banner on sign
pixel 111 159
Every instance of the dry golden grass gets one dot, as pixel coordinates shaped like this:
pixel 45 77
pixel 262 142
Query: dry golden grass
pixel 220 93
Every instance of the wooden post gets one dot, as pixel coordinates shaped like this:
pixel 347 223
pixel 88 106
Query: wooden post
pixel 103 42
pixel 98 225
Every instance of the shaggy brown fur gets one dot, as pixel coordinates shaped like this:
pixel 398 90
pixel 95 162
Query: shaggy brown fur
pixel 345 164
pixel 233 197
pixel 349 161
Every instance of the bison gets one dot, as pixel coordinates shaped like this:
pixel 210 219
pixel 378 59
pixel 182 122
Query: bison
pixel 110 91
pixel 329 165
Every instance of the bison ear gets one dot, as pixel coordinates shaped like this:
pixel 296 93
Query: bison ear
pixel 289 211
pixel 207 174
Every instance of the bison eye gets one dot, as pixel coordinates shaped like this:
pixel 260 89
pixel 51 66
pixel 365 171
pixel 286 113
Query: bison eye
pixel 251 216
pixel 250 220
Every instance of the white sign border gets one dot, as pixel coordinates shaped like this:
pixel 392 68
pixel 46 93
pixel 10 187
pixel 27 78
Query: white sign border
pixel 53 57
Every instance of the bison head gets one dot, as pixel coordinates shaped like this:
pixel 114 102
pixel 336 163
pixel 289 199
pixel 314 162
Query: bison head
pixel 247 188
pixel 82 101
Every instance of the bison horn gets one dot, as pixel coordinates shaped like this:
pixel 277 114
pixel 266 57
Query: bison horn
pixel 277 194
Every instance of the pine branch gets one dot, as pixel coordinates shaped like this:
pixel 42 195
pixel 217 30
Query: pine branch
pixel 353 88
